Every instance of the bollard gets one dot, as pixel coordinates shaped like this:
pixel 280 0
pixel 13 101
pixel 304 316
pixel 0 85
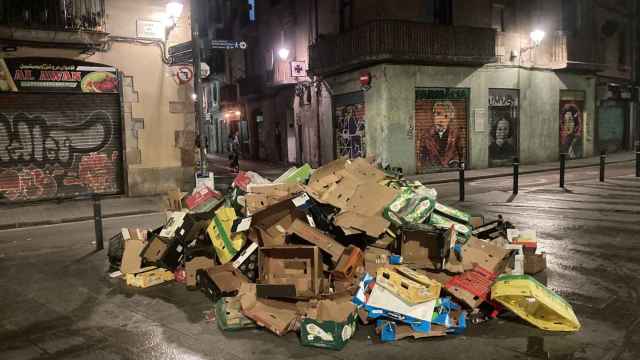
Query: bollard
pixel 603 158
pixel 461 180
pixel 516 173
pixel 638 160
pixel 563 159
pixel 97 217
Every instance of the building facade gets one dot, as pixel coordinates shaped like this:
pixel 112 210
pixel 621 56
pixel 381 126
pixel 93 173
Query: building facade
pixel 91 103
pixel 430 84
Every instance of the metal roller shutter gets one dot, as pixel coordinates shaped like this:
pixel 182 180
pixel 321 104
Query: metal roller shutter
pixel 56 145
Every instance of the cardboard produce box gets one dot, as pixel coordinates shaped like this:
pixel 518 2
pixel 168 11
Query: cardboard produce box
pixel 277 316
pixel 329 324
pixel 220 281
pixel 148 277
pixel 351 260
pixel 134 243
pixel 316 237
pixel 192 267
pixel 421 245
pixel 229 316
pixel 269 226
pixel 226 243
pixel 289 272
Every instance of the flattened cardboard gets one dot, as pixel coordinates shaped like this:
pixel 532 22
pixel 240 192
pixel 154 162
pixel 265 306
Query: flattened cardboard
pixel 351 222
pixel 383 242
pixel 226 278
pixel 327 174
pixel 289 272
pixel 317 238
pixel 370 199
pixel 276 316
pixel 364 169
pixel 174 221
pixel 131 260
pixel 375 258
pixel 195 264
pixel 485 254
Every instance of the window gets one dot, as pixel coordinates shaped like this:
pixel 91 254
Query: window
pixel 346 11
pixel 497 17
pixel 571 16
pixel 439 12
pixel 252 10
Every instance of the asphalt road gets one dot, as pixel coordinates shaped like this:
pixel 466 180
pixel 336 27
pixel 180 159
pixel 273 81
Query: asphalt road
pixel 57 302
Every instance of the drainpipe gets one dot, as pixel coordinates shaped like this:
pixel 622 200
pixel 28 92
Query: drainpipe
pixel 318 86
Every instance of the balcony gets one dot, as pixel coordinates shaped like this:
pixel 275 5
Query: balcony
pixel 402 42
pixel 78 22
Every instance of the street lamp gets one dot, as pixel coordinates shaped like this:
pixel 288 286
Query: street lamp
pixel 283 53
pixel 173 10
pixel 537 36
pixel 238 113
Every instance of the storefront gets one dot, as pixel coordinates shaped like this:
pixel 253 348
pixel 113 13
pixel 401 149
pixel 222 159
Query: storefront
pixel 60 129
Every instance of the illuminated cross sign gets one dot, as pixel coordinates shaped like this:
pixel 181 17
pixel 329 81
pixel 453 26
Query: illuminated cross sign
pixel 228 44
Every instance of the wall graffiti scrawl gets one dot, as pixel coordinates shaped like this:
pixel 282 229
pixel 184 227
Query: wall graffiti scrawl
pixel 349 117
pixel 571 123
pixel 51 149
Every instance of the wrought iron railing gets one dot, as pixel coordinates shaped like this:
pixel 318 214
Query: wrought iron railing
pixel 406 41
pixel 86 15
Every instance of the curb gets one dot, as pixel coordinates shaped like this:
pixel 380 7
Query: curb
pixel 26 224
pixel 484 177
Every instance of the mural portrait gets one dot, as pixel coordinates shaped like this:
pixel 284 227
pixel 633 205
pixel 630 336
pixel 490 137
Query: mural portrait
pixel 441 129
pixel 571 129
pixel 503 120
pixel 350 128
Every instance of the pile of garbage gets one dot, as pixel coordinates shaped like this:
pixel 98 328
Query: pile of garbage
pixel 321 251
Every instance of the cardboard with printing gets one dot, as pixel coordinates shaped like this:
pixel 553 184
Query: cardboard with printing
pixel 229 315
pixel 375 258
pixel 275 315
pixel 149 276
pixel 472 287
pixel 354 222
pixel 329 324
pixel 174 221
pixel 226 243
pixel 432 286
pixel 289 272
pixel 199 200
pixel 406 289
pixel 317 238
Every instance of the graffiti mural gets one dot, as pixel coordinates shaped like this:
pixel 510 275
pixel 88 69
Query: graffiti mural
pixel 571 123
pixel 440 128
pixel 350 126
pixel 50 154
pixel 503 121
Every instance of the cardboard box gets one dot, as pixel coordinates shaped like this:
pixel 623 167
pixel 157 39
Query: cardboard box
pixel 408 208
pixel 220 281
pixel 353 222
pixel 247 261
pixel 421 245
pixel 195 264
pixel 269 225
pixel 347 268
pixel 375 258
pixel 534 263
pixel 433 287
pixel 201 197
pixel 226 243
pixel 289 272
pixel 229 315
pixel 316 237
pixel 464 231
pixel 485 254
pixel 192 226
pixel 329 324
pixel 277 316
pixel 174 200
pixel 472 287
pixel 149 276
pixel 390 331
pixel 174 221
pixel 131 257
pixel 406 289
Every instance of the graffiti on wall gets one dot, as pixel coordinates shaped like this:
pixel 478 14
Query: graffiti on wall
pixel 571 123
pixel 441 128
pixel 503 121
pixel 350 130
pixel 40 158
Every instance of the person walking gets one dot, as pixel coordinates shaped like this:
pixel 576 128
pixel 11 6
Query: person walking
pixel 234 145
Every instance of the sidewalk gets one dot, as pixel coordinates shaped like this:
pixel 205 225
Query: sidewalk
pixel 219 164
pixel 479 174
pixel 25 215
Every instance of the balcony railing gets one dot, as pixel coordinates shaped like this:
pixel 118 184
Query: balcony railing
pixel 55 15
pixel 404 42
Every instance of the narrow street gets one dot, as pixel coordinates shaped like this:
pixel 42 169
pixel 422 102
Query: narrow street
pixel 57 301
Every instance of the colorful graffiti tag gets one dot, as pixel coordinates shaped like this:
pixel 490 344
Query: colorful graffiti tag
pixel 571 123
pixel 41 158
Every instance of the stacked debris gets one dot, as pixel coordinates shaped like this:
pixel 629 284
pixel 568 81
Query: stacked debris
pixel 317 251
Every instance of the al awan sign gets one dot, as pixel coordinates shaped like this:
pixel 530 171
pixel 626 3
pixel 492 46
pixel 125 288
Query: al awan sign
pixel 37 74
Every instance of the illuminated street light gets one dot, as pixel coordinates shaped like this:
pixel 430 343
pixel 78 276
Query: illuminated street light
pixel 537 36
pixel 194 96
pixel 238 113
pixel 283 53
pixel 173 10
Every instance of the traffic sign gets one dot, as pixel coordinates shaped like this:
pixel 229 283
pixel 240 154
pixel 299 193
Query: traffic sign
pixel 228 44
